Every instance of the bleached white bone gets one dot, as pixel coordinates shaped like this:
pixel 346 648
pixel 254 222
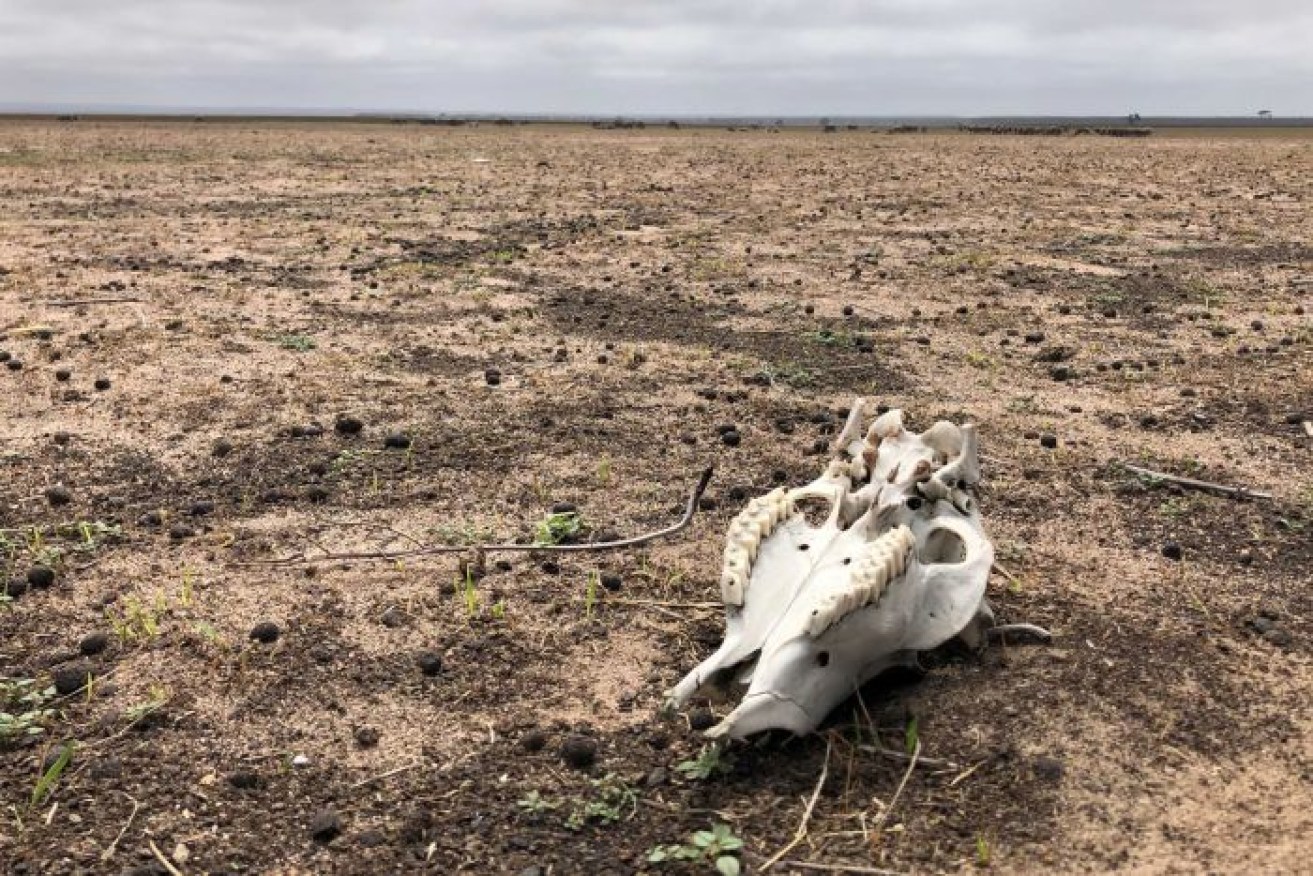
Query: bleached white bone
pixel 812 612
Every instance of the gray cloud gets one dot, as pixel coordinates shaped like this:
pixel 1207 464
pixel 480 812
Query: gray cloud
pixel 673 56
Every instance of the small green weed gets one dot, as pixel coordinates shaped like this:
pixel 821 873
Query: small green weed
pixel 22 709
pixel 50 777
pixel 298 343
pixel 535 803
pixel 711 761
pixel 558 527
pixel 718 847
pixel 611 798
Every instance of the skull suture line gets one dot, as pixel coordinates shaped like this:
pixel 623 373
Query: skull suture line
pixel 898 565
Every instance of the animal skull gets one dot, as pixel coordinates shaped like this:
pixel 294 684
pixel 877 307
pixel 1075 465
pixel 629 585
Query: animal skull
pixel 898 565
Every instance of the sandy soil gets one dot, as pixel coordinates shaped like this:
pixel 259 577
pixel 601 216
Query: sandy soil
pixel 1142 301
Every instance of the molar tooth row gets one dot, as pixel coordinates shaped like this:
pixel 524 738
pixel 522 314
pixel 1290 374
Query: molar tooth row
pixel 883 560
pixel 752 525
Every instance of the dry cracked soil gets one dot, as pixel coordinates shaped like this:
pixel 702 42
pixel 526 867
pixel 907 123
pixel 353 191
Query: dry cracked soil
pixel 226 343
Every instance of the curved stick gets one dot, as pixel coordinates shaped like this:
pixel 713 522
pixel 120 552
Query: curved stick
pixel 689 510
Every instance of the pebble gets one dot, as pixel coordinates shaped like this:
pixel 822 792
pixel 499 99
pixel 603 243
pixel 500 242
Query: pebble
pixel 71 679
pixel 731 438
pixel 325 826
pixel 579 751
pixel 94 643
pixel 58 495
pixel 430 663
pixel 397 441
pixel 63 374
pixel 367 737
pixel 40 577
pixel 346 424
pixel 102 383
pixel 700 719
pixel 611 581
pixel 244 780
pixel 221 448
pixel 1049 441
pixel 1172 550
pixel 533 741
pixel 492 376
pixel 265 632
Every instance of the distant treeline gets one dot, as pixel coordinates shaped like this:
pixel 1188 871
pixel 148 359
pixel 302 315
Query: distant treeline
pixel 1052 130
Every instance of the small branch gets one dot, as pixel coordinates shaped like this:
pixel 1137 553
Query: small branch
pixel 159 856
pixel 933 763
pixel 387 775
pixel 840 868
pixel 801 833
pixel 109 852
pixel 78 302
pixel 1192 484
pixel 884 816
pixel 430 550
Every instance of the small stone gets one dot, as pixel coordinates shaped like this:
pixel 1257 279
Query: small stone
pixel 1172 551
pixel 14 365
pixel 534 740
pixel 40 577
pixel 700 719
pixel 265 632
pixel 180 531
pixel 58 495
pixel 94 643
pixel 71 679
pixel 348 425
pixel 397 441
pixel 245 780
pixel 102 383
pixel 848 310
pixel 62 438
pixel 611 581
pixel 731 438
pixel 1279 636
pixel 325 826
pixel 201 508
pixel 63 374
pixel 1060 373
pixel 430 663
pixel 1048 441
pixel 393 617
pixel 221 448
pixel 579 751
pixel 1049 769
pixel 492 377
pixel 300 760
pixel 367 737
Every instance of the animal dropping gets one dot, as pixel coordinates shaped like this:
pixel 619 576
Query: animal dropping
pixel 896 563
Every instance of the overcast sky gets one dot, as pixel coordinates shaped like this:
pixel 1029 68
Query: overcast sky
pixel 743 57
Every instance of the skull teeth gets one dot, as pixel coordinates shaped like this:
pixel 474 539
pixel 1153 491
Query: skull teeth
pixel 753 525
pixel 881 562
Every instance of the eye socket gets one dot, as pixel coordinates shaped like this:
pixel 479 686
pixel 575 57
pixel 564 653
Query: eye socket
pixel 914 502
pixel 847 560
pixel 803 547
pixel 823 658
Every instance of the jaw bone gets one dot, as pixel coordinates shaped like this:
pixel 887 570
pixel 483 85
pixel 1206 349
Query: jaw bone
pixel 899 565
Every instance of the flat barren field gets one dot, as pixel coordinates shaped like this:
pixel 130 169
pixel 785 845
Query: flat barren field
pixel 226 343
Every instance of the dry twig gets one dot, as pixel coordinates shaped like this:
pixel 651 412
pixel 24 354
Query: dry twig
pixel 109 852
pixel 78 302
pixel 167 864
pixel 801 833
pixel 430 550
pixel 1192 484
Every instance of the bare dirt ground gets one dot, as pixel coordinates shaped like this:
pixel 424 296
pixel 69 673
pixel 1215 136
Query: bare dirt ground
pixel 635 292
